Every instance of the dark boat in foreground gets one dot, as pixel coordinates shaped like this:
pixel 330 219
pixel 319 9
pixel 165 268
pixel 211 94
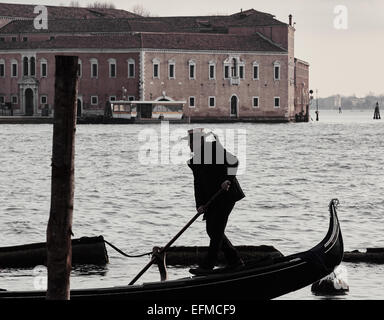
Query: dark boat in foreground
pixel 256 280
pixel 85 250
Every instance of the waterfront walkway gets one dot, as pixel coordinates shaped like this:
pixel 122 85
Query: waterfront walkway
pixel 25 120
pixel 102 120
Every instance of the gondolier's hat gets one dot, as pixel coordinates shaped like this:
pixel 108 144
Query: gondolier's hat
pixel 197 133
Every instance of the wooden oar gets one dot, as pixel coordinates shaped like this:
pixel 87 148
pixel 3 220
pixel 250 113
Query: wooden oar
pixel 175 237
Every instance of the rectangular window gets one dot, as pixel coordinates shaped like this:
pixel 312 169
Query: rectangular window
pixel 156 70
pixel 211 102
pixel 14 39
pixel 241 72
pixel 94 71
pixel 112 98
pixel 14 99
pixel 255 72
pixel 2 99
pixel 25 39
pixel 191 71
pixel 277 102
pixel 171 71
pixel 131 98
pixel 94 100
pixel 277 73
pixel 14 70
pixel 226 72
pixel 2 39
pixel 43 99
pixel 191 102
pixel 112 70
pixel 131 70
pixel 2 70
pixel 44 69
pixel 255 102
pixel 212 72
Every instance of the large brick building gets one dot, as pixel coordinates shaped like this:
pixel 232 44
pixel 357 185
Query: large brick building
pixel 236 66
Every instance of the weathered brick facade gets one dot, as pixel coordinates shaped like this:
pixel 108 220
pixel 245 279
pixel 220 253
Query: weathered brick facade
pixel 201 87
pixel 223 67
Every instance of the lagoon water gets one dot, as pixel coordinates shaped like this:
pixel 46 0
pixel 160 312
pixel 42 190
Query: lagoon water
pixel 291 173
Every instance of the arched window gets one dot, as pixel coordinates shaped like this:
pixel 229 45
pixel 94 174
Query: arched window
pixel 14 67
pixel 94 68
pixel 43 68
pixel 112 68
pixel 25 66
pixel 192 69
pixel 212 70
pixel 255 71
pixel 234 67
pixel 156 68
pixel 33 66
pixel 276 70
pixel 171 69
pixel 131 68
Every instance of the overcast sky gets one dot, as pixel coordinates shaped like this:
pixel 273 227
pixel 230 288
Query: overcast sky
pixel 346 61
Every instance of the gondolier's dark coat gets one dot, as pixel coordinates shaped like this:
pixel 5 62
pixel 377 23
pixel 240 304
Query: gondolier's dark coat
pixel 209 175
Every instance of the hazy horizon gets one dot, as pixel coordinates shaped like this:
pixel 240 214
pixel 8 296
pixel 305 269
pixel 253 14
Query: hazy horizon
pixel 343 47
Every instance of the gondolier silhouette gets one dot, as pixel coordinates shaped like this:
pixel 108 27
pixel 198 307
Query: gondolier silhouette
pixel 376 114
pixel 213 168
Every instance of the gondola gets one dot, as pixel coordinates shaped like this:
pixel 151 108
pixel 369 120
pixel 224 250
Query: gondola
pixel 258 280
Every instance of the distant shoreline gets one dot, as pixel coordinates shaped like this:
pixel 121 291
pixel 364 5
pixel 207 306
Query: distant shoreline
pixel 342 108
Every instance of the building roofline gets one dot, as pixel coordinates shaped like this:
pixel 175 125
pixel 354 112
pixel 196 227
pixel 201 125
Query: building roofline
pixel 270 41
pixel 21 10
pixel 302 61
pixel 248 18
pixel 138 50
pixel 155 40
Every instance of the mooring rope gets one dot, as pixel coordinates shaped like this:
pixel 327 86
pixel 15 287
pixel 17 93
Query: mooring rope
pixel 125 254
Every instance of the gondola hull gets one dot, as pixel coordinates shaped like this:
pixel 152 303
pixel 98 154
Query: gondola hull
pixel 255 281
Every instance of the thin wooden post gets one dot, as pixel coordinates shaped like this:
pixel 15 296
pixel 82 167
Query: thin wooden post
pixel 59 231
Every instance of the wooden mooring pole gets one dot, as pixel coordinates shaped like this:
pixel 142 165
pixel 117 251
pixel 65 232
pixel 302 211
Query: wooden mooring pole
pixel 59 231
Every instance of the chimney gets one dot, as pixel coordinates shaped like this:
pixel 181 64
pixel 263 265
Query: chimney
pixel 290 20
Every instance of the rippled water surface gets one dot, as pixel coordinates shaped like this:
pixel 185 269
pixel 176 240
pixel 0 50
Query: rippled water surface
pixel 292 172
